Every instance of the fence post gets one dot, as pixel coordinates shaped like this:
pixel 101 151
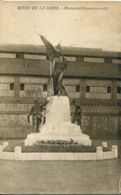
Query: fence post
pixel 5 144
pixel 1 148
pixel 17 152
pixel 105 144
pixel 99 153
pixel 115 150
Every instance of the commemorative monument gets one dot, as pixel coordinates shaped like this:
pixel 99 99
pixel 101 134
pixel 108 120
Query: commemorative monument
pixel 58 125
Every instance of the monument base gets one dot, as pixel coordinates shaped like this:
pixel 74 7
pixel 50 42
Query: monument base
pixel 58 124
pixel 34 138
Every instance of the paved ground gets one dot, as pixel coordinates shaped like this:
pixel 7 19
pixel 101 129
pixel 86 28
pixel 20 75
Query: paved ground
pixel 64 177
pixel 67 177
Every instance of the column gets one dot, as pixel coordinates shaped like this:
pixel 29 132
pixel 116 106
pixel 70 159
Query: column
pixel 114 90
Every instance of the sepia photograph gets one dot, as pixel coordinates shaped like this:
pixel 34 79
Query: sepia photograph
pixel 60 97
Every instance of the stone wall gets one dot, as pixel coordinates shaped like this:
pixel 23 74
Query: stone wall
pixel 14 126
pixel 102 126
pixel 97 121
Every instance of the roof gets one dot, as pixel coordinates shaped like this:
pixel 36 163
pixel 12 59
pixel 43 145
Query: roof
pixel 15 107
pixel 101 109
pixel 24 67
pixel 70 51
pixel 100 70
pixel 74 69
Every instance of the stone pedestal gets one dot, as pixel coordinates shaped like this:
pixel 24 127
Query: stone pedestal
pixel 58 124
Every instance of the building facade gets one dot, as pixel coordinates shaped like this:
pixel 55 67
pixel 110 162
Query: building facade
pixel 92 78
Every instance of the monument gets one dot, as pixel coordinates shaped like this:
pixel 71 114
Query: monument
pixel 58 125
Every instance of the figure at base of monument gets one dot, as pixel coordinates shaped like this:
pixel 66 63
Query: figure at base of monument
pixel 37 116
pixel 76 118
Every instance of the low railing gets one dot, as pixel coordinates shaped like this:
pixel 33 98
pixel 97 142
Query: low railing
pixel 19 155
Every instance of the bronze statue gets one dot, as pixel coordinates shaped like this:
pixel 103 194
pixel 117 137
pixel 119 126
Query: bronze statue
pixel 58 73
pixel 36 112
pixel 77 114
pixel 59 64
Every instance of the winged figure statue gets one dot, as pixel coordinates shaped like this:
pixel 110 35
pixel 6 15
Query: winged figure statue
pixel 59 64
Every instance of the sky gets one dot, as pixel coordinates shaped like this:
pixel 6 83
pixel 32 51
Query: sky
pixel 77 24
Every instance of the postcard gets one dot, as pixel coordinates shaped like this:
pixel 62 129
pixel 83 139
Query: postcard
pixel 60 97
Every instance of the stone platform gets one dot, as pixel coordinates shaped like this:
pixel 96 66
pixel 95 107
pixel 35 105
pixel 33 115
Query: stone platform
pixel 58 124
